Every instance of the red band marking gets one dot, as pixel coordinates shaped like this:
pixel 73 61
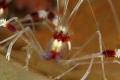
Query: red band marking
pixel 109 53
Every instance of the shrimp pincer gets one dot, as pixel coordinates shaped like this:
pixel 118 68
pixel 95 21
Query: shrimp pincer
pixel 59 45
pixel 7 25
pixel 31 41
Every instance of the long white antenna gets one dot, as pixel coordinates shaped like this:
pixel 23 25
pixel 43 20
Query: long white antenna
pixel 115 15
pixel 74 11
pixel 100 41
pixel 58 10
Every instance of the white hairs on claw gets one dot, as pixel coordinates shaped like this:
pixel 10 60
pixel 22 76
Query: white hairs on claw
pixel 117 55
pixel 3 22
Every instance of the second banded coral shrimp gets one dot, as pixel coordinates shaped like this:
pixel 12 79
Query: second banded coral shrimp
pixel 52 17
pixel 40 17
pixel 59 45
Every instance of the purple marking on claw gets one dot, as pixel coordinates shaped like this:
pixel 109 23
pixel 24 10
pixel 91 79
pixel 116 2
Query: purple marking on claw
pixel 10 27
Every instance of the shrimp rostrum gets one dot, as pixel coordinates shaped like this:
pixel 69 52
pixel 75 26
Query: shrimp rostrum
pixel 59 45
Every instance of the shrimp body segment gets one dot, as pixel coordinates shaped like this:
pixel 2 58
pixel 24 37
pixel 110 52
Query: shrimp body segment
pixel 60 39
pixel 62 35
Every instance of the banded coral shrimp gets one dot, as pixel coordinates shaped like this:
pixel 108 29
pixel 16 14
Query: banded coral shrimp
pixel 49 16
pixel 83 68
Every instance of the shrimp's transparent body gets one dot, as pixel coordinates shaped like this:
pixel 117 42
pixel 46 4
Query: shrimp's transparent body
pixel 59 45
